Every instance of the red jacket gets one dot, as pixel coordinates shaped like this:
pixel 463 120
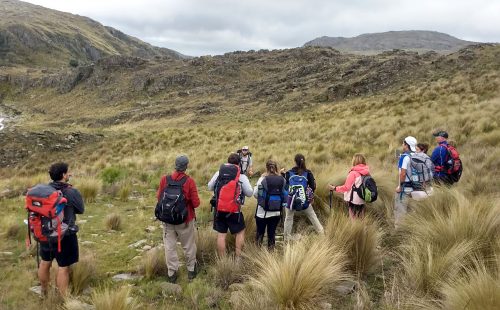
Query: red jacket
pixel 188 189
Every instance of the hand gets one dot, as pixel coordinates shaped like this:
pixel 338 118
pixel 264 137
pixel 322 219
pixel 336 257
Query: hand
pixel 398 189
pixel 331 187
pixel 282 170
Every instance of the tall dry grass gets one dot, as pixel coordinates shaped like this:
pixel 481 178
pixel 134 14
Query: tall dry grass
pixel 113 221
pixel 83 273
pixel 89 188
pixel 153 263
pixel 116 299
pixel 361 239
pixel 293 278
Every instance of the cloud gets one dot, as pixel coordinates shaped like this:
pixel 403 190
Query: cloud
pixel 198 27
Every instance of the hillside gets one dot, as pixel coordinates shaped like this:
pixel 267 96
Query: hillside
pixel 32 35
pixel 414 40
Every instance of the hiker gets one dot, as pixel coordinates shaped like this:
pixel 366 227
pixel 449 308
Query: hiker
pixel 406 188
pixel 271 195
pixel 69 253
pixel 301 186
pixel 447 163
pixel 229 186
pixel 179 190
pixel 354 202
pixel 246 163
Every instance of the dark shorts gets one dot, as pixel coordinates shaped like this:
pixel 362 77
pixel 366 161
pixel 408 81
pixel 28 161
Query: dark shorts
pixel 69 251
pixel 223 221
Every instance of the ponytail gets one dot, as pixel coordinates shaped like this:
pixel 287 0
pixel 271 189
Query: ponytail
pixel 300 162
pixel 271 167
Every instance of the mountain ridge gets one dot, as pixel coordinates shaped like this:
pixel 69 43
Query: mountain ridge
pixel 414 40
pixel 33 35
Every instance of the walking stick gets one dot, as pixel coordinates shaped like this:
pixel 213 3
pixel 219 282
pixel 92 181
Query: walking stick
pixel 331 197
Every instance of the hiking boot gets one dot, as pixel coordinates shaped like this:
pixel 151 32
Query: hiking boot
pixel 172 278
pixel 192 274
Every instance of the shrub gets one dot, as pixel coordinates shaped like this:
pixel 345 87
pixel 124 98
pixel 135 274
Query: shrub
pixel 82 273
pixel 206 246
pixel 124 192
pixel 359 238
pixel 112 174
pixel 73 63
pixel 113 221
pixel 294 279
pixel 120 299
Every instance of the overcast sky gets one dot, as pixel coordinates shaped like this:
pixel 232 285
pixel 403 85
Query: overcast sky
pixel 197 27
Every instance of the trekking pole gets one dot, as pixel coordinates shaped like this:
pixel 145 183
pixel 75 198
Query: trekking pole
pixel 331 198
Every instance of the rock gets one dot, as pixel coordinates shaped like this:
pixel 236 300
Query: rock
pixel 87 242
pixel 138 243
pixel 126 277
pixel 325 306
pixel 7 253
pixel 81 221
pixel 36 290
pixel 150 228
pixel 146 247
pixel 171 289
pixel 345 287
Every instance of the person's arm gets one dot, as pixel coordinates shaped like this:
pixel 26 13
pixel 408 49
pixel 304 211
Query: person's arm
pixel 246 187
pixel 193 194
pixel 250 166
pixel 211 184
pixel 351 178
pixel 161 187
pixel 311 181
pixel 256 188
pixel 75 200
pixel 403 168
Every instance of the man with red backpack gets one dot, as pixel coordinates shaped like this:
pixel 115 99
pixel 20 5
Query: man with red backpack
pixel 229 186
pixel 446 160
pixel 177 198
pixel 66 252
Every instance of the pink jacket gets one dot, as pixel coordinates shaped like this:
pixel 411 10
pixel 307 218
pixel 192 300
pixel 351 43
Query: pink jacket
pixel 354 177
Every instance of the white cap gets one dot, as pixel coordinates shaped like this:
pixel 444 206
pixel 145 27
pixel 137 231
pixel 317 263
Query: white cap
pixel 245 147
pixel 412 143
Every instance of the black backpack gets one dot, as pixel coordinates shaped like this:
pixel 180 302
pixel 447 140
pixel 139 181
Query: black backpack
pixel 172 208
pixel 367 190
pixel 271 196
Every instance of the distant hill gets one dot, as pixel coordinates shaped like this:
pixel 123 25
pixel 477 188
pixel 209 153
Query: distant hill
pixel 36 36
pixel 415 40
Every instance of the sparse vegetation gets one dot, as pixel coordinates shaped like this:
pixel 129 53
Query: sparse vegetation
pixel 113 221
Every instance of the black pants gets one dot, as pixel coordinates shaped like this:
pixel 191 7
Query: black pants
pixel 271 223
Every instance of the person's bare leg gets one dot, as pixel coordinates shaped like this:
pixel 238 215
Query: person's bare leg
pixel 62 280
pixel 44 276
pixel 221 244
pixel 240 240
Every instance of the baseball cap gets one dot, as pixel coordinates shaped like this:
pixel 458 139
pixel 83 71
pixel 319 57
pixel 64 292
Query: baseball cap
pixel 441 133
pixel 412 143
pixel 245 148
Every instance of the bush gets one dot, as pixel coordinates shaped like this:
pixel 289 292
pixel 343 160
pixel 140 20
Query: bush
pixel 124 192
pixel 73 63
pixel 113 221
pixel 112 174
pixel 206 246
pixel 227 270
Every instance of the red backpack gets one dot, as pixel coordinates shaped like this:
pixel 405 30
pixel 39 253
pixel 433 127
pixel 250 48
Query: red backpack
pixel 454 165
pixel 228 189
pixel 45 206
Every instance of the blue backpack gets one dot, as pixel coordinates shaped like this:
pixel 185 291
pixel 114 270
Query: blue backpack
pixel 271 195
pixel 297 191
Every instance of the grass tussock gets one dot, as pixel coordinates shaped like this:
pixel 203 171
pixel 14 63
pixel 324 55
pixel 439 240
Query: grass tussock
pixel 227 270
pixel 113 221
pixel 120 299
pixel 359 238
pixel 153 263
pixel 293 278
pixel 89 188
pixel 206 246
pixel 83 273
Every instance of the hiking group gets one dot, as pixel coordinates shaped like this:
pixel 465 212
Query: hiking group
pixel 52 208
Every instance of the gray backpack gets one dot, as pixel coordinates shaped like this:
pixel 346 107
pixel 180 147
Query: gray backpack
pixel 422 170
